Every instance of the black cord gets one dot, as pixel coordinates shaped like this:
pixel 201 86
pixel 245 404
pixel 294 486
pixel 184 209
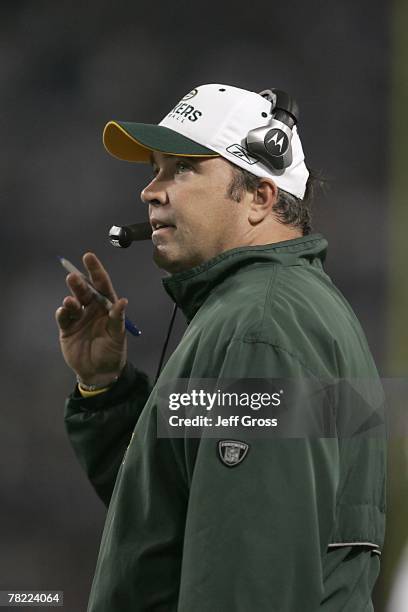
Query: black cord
pixel 173 316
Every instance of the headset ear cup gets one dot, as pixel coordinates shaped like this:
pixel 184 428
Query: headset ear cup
pixel 277 143
pixel 272 143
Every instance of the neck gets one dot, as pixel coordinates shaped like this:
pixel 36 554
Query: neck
pixel 276 232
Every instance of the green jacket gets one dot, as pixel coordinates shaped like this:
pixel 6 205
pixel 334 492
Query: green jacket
pixel 295 526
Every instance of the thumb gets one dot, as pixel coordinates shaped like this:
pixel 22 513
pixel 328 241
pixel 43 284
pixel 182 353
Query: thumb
pixel 116 317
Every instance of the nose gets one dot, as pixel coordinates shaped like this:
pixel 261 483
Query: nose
pixel 154 193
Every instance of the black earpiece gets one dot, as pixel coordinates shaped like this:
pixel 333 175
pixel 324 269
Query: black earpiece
pixel 271 143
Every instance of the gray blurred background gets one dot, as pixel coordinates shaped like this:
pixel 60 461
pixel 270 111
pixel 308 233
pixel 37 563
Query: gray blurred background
pixel 66 69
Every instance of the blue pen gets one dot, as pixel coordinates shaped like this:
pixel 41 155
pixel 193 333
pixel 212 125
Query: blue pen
pixel 102 299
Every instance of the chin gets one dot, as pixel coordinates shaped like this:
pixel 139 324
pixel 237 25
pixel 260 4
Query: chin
pixel 165 262
pixel 172 265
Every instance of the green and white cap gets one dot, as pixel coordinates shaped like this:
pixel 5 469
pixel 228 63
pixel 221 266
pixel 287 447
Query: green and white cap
pixel 211 120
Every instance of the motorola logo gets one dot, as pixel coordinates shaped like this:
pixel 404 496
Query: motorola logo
pixel 276 142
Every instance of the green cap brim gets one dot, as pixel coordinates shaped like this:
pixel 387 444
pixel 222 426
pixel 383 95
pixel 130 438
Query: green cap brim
pixel 135 142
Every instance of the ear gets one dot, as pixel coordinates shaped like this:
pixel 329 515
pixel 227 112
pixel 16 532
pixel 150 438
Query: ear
pixel 263 200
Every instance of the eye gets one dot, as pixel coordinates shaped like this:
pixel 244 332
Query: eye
pixel 182 166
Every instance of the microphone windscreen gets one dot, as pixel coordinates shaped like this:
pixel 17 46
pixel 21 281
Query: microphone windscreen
pixel 123 235
pixel 141 231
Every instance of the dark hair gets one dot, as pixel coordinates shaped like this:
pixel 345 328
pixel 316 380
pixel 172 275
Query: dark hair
pixel 289 210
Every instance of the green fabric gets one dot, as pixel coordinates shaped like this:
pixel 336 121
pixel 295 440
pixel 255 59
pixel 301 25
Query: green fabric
pixel 183 531
pixel 99 454
pixel 160 138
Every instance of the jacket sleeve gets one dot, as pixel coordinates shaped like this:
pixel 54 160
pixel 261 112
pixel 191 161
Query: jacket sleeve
pixel 100 427
pixel 256 533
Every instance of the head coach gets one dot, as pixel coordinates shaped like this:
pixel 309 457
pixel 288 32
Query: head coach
pixel 203 524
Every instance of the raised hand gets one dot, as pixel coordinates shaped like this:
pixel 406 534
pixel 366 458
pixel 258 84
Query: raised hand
pixel 93 340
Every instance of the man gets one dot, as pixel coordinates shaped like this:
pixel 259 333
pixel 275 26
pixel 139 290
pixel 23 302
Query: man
pixel 204 523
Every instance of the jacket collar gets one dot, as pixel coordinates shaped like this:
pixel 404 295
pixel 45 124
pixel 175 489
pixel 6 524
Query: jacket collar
pixel 190 288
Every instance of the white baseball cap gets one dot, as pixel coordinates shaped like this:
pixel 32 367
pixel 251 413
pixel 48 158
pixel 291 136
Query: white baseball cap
pixel 211 120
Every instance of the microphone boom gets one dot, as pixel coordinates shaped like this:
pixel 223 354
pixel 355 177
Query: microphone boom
pixel 123 236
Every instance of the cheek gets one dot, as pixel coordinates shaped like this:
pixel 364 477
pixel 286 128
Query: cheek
pixel 202 212
pixel 192 217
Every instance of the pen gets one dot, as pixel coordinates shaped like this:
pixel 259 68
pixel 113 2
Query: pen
pixel 102 299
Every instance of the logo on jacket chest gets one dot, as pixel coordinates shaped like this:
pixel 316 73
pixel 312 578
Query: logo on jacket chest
pixel 232 452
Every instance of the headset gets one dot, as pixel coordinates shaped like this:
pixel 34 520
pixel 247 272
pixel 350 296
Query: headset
pixel 271 144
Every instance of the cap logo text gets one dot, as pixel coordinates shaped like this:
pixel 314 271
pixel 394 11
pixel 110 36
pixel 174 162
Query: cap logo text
pixel 183 111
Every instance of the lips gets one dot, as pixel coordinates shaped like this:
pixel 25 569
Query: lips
pixel 159 224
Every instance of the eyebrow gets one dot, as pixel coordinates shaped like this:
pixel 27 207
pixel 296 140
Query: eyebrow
pixel 168 156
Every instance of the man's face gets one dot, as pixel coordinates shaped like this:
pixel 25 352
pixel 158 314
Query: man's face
pixel 189 196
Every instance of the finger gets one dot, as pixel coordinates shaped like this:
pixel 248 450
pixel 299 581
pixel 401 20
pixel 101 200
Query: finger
pixel 116 318
pixel 72 304
pixel 99 276
pixel 69 313
pixel 79 289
